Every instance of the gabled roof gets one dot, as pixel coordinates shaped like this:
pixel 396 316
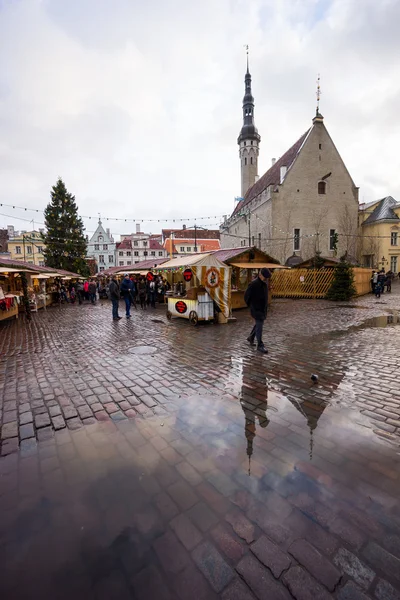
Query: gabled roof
pixel 383 212
pixel 272 176
pixel 229 253
pixel 155 244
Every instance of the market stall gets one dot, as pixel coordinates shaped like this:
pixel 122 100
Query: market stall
pixel 200 288
pixel 245 263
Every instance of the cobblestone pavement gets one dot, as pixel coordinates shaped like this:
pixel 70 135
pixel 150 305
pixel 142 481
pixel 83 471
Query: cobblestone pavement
pixel 148 459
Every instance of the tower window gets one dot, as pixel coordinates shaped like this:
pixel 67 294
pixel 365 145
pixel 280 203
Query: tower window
pixel 244 143
pixel 251 142
pixel 321 187
pixel 320 146
pixel 296 239
pixel 251 160
pixel 245 161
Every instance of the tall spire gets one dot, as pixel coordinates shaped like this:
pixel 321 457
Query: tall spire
pixel 249 137
pixel 318 117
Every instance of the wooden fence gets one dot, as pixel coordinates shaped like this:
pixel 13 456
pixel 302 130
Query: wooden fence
pixel 313 283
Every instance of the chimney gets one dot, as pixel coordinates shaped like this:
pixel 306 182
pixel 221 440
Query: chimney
pixel 137 227
pixel 273 161
pixel 283 173
pixel 183 226
pixel 108 231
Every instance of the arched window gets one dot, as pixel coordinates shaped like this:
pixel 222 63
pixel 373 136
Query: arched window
pixel 251 160
pixel 321 187
pixel 245 161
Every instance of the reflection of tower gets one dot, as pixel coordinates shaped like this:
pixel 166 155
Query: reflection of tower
pixel 252 408
pixel 312 413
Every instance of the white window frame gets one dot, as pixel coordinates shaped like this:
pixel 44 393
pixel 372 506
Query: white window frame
pixel 394 236
pixel 18 250
pixel 295 239
pixel 393 264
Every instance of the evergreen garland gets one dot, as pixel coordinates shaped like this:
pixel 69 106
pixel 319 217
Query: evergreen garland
pixel 65 242
pixel 342 287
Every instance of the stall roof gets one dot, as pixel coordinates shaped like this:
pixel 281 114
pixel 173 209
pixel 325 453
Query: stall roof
pixel 175 263
pixel 257 265
pixel 9 270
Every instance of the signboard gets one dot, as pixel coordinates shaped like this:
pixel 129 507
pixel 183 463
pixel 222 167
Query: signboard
pixel 212 278
pixel 180 307
pixel 187 275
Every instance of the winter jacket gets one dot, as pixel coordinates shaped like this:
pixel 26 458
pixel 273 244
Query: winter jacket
pixel 92 288
pixel 85 286
pixel 256 298
pixel 126 288
pixel 114 290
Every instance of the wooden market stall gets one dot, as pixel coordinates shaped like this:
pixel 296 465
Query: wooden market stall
pixel 245 263
pixel 200 288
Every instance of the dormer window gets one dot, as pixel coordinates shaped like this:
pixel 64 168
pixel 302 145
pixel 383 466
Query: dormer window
pixel 321 187
pixel 100 238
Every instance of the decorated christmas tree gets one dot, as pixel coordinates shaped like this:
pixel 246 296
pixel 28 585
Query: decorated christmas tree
pixel 342 287
pixel 64 238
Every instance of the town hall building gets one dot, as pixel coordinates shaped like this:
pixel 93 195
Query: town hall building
pixel 305 203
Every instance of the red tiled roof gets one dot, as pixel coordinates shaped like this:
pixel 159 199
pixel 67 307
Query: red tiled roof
pixel 200 234
pixel 155 245
pixel 202 245
pixel 124 245
pixel 272 176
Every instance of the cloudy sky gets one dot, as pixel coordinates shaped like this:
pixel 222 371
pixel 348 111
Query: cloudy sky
pixel 137 105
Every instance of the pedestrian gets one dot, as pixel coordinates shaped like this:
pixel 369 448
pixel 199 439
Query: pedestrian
pixel 92 291
pixel 256 298
pixel 152 293
pixel 374 280
pixel 382 279
pixel 142 289
pixel 63 293
pixel 115 296
pixel 72 295
pixel 389 279
pixel 86 290
pixel 126 291
pixel 79 291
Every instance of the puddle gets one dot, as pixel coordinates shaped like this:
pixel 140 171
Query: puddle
pixel 143 350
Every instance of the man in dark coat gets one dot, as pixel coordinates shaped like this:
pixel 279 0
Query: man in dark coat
pixel 115 296
pixel 256 298
pixel 126 291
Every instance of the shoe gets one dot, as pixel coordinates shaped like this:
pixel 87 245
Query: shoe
pixel 116 319
pixel 128 316
pixel 251 340
pixel 262 349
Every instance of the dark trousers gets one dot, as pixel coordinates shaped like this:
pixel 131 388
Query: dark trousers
pixel 257 330
pixel 142 301
pixel 153 299
pixel 127 305
pixel 79 294
pixel 93 298
pixel 115 304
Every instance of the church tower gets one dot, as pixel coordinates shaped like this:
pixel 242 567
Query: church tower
pixel 249 138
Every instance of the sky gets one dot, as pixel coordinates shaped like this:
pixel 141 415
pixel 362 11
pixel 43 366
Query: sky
pixel 137 106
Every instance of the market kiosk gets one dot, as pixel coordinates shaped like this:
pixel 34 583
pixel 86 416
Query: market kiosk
pixel 200 288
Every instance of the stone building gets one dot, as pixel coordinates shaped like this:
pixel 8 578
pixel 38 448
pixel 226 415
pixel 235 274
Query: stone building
pixel 380 229
pixel 299 205
pixel 27 246
pixel 101 247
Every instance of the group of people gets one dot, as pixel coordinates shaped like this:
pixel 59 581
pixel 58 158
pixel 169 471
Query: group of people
pixel 134 290
pixel 380 280
pixel 86 290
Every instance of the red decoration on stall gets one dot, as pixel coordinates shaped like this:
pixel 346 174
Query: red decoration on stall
pixel 187 275
pixel 149 276
pixel 180 307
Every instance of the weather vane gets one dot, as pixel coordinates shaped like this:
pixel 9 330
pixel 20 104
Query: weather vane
pixel 318 92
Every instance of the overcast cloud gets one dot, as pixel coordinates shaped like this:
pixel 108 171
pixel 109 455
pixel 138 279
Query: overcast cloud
pixel 137 106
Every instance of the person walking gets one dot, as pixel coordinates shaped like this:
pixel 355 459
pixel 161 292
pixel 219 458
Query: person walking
pixel 152 293
pixel 126 291
pixel 142 289
pixel 79 291
pixel 382 280
pixel 92 291
pixel 256 298
pixel 115 296
pixel 389 279
pixel 86 290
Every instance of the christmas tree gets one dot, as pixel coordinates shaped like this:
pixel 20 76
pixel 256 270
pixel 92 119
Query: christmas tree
pixel 65 243
pixel 342 287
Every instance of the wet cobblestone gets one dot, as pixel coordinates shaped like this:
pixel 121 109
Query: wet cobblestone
pixel 198 468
